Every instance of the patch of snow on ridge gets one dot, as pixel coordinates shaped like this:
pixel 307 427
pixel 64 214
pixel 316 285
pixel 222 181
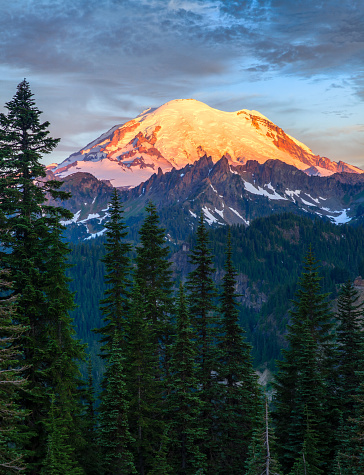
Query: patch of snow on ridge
pixel 94 235
pixel 73 220
pixel 246 221
pixel 208 216
pixel 260 191
pixel 90 216
pixel 221 213
pixel 342 218
pixel 193 214
pixel 291 194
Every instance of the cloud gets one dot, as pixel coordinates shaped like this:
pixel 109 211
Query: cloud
pixel 92 62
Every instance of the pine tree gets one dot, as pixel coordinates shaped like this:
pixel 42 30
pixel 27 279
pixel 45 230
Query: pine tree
pixel 262 449
pixel 202 310
pixel 11 380
pixel 35 256
pixel 153 276
pixel 349 459
pixel 114 306
pixel 309 459
pixel 302 381
pixel 184 405
pixel 143 386
pixel 60 458
pixel 350 348
pixel 115 438
pixel 90 456
pixel 239 394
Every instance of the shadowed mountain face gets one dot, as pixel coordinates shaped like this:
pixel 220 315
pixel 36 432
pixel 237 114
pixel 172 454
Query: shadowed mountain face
pixel 182 131
pixel 224 193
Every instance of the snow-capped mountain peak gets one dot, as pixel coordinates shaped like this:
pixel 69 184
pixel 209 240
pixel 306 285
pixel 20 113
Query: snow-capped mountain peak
pixel 183 130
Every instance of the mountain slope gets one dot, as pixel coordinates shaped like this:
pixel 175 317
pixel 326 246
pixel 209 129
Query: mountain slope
pixel 179 133
pixel 226 194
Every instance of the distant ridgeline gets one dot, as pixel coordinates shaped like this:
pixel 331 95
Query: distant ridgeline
pixel 268 256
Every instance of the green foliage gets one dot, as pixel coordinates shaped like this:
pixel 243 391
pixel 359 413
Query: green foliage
pixel 36 258
pixel 60 457
pixel 302 381
pixel 350 347
pixel 202 310
pixel 239 395
pixel 262 449
pixel 153 275
pixel 114 306
pixel 143 385
pixel 89 454
pixel 11 380
pixel 115 438
pixel 183 404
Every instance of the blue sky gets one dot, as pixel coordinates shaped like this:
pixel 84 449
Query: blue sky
pixel 95 63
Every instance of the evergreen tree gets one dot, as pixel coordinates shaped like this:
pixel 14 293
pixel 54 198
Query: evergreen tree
pixel 302 382
pixel 202 310
pixel 35 256
pixel 349 459
pixel 114 306
pixel 90 456
pixel 115 438
pixel 153 276
pixel 60 458
pixel 183 403
pixel 143 386
pixel 350 348
pixel 239 395
pixel 309 459
pixel 261 455
pixel 11 380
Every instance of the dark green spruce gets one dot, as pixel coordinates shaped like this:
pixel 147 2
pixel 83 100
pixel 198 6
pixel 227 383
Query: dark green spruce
pixel 36 258
pixel 114 434
pixel 350 347
pixel 202 310
pixel 60 457
pixel 115 305
pixel 302 383
pixel 153 275
pixel 184 405
pixel 11 381
pixel 239 393
pixel 144 387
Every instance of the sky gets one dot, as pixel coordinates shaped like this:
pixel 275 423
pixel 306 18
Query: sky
pixel 92 64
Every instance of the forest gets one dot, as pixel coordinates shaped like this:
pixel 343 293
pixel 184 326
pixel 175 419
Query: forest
pixel 178 393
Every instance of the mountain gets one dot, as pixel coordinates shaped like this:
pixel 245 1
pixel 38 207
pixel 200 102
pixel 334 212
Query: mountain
pixel 180 132
pixel 226 194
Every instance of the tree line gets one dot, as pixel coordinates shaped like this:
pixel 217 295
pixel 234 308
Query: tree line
pixel 179 394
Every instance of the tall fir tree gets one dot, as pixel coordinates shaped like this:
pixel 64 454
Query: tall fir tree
pixel 153 276
pixel 202 309
pixel 115 438
pixel 349 458
pixel 115 305
pixel 90 455
pixel 144 386
pixel 11 381
pixel 36 256
pixel 184 405
pixel 239 393
pixel 350 348
pixel 302 381
pixel 60 457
